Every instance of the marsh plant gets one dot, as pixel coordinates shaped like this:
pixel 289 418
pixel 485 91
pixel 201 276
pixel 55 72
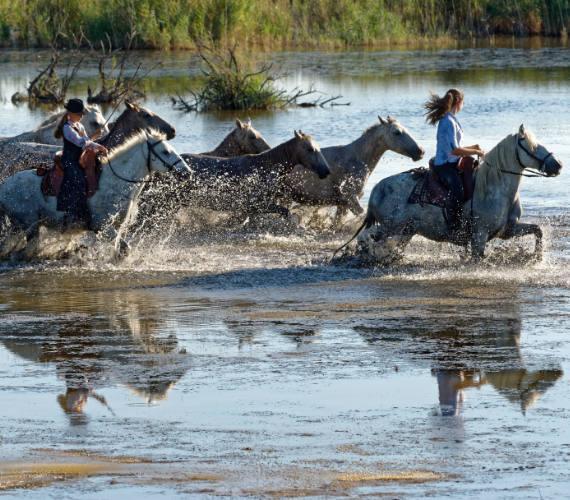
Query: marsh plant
pixel 229 83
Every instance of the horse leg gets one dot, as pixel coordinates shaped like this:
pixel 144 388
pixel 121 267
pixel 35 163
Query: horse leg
pixel 341 211
pixel 516 229
pixel 354 205
pixel 348 203
pixel 386 246
pixel 479 240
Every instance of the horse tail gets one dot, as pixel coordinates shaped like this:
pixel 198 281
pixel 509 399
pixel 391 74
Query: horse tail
pixel 366 223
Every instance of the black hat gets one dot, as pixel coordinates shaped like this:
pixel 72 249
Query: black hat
pixel 75 106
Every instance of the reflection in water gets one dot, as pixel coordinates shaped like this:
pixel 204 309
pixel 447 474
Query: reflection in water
pixel 480 346
pixel 115 339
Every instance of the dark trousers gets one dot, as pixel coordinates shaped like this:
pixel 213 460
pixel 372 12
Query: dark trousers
pixel 72 197
pixel 449 176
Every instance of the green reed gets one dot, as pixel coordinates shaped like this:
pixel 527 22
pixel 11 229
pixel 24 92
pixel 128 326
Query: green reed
pixel 163 24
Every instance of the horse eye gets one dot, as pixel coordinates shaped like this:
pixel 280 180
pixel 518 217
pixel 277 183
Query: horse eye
pixel 397 132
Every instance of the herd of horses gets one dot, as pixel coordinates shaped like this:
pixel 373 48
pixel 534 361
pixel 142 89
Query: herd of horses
pixel 245 176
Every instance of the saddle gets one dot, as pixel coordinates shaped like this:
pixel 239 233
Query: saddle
pixel 53 175
pixel 429 190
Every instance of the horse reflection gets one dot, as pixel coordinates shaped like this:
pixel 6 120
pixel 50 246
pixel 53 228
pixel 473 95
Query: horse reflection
pixel 116 338
pixel 480 347
pixel 248 331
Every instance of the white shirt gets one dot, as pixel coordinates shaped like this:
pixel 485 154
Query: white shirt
pixel 75 133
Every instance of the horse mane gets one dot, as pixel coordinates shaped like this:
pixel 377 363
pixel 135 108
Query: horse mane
pixel 489 171
pixel 52 119
pixel 390 120
pixel 530 139
pixel 134 140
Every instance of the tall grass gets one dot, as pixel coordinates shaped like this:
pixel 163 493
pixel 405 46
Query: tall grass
pixel 180 23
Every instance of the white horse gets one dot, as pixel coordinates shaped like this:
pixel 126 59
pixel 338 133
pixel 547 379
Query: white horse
pixel 123 175
pixel 494 212
pixel 350 167
pixel 92 120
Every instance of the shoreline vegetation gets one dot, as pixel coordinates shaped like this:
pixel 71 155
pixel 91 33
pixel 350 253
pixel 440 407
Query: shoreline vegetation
pixel 272 24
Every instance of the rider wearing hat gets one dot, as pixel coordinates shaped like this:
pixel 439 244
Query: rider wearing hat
pixel 72 197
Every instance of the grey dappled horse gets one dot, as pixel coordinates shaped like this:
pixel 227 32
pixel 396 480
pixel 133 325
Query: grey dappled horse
pixel 92 120
pixel 18 156
pixel 494 212
pixel 350 167
pixel 124 172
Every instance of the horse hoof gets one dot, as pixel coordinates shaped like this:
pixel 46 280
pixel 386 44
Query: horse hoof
pixel 123 250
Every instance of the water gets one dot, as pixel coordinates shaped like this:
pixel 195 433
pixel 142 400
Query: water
pixel 246 365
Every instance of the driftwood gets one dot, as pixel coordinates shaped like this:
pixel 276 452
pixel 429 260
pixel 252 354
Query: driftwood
pixel 48 87
pixel 115 84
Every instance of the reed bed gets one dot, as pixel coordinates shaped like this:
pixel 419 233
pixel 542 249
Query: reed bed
pixel 171 24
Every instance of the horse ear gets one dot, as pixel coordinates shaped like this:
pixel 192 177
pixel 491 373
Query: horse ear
pixel 298 135
pixel 382 121
pixel 239 123
pixel 248 121
pixel 522 131
pixel 130 105
pixel 391 119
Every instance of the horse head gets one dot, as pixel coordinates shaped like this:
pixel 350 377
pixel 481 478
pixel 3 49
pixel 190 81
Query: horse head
pixel 93 120
pixel 162 157
pixel 398 139
pixel 531 154
pixel 139 118
pixel 307 152
pixel 248 138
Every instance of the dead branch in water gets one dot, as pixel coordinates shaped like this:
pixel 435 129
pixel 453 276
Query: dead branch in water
pixel 115 83
pixel 231 84
pixel 47 87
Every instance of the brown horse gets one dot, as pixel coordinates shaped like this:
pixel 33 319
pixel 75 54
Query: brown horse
pixel 242 140
pixel 242 185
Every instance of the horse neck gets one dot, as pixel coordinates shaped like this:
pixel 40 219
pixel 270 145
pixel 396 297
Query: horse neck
pixel 277 159
pixel 228 147
pixel 119 134
pixel 502 157
pixel 369 148
pixel 130 164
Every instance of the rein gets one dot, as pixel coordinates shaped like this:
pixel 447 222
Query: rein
pixel 151 151
pixel 535 173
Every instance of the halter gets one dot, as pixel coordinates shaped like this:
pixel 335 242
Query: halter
pixel 151 152
pixel 541 162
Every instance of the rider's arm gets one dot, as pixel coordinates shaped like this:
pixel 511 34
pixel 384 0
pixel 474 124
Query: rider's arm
pixel 467 151
pixel 81 140
pixel 75 137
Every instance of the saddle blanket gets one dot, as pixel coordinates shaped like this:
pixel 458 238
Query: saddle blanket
pixel 429 190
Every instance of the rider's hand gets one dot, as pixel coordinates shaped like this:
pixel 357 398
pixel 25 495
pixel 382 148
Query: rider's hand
pixel 480 152
pixel 102 149
pixel 98 133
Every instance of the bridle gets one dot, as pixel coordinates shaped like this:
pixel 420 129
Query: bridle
pixel 541 162
pixel 151 152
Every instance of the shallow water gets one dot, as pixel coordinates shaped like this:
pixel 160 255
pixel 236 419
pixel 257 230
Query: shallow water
pixel 246 365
